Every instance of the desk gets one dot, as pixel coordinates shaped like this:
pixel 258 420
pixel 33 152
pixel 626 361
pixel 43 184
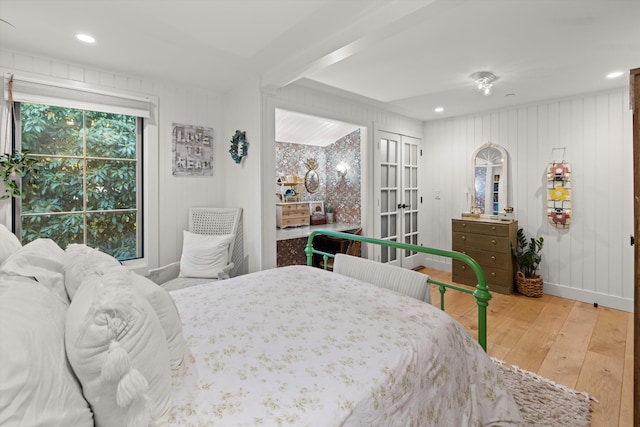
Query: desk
pixel 291 242
pixel 297 232
pixel 330 245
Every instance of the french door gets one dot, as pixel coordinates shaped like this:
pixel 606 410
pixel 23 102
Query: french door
pixel 397 202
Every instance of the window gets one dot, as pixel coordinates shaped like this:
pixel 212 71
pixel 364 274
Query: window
pixel 89 187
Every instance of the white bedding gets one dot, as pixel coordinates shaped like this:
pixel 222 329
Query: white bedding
pixel 300 346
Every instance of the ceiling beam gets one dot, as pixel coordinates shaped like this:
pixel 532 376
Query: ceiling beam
pixel 382 20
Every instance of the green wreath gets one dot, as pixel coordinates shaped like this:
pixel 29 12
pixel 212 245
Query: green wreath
pixel 239 146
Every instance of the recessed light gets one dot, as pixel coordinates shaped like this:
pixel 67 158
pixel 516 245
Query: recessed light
pixel 615 74
pixel 439 110
pixel 85 38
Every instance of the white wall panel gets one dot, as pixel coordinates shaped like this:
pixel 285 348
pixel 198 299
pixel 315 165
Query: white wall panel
pixel 243 111
pixel 175 105
pixel 592 261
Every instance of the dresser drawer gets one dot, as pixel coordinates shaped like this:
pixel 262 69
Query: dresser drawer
pixel 492 229
pixel 502 261
pixel 295 208
pixel 493 276
pixel 480 241
pixel 489 243
pixel 292 214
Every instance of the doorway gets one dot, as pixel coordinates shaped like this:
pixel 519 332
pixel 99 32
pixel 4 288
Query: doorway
pixel 335 149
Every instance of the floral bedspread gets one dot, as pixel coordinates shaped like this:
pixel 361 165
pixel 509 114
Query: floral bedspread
pixel 299 346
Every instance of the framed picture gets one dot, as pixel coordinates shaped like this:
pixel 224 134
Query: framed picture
pixel 192 150
pixel 316 208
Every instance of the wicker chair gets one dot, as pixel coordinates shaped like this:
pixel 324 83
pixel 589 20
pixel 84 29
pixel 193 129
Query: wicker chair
pixel 208 221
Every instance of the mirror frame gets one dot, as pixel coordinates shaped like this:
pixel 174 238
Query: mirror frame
pixel 503 188
pixel 309 185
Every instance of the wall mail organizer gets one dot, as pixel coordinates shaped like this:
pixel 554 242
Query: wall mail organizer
pixel 559 210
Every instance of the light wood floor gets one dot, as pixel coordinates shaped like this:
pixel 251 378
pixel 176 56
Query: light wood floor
pixel 572 343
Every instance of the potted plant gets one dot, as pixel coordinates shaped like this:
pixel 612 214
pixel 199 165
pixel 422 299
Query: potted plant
pixel 330 214
pixel 528 256
pixel 16 165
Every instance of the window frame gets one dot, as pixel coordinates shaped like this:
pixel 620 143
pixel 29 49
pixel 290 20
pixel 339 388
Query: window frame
pixel 149 179
pixel 17 202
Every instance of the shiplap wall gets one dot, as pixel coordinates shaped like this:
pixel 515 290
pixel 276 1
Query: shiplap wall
pixel 176 104
pixel 592 261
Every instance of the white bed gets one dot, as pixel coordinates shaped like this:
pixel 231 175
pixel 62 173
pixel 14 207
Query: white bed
pixel 84 342
pixel 305 347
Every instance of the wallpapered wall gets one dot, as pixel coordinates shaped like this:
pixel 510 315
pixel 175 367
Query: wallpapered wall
pixel 344 194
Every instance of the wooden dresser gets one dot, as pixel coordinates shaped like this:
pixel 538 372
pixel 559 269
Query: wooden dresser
pixel 292 214
pixel 489 242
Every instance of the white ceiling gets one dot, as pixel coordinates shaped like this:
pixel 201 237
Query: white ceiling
pixel 301 128
pixel 413 55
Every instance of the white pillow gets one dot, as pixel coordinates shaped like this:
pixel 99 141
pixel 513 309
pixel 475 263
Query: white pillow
pixel 118 351
pixel 37 385
pixel 204 255
pixel 167 312
pixel 42 259
pixel 80 262
pixel 9 243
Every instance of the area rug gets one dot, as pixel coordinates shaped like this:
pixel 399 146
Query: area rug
pixel 543 402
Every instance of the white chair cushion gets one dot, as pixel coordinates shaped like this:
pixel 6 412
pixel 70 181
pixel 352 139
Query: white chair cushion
pixel 9 243
pixel 204 255
pixel 184 282
pixel 118 351
pixel 37 385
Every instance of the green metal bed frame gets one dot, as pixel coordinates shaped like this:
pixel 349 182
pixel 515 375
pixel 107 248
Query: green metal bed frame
pixel 481 292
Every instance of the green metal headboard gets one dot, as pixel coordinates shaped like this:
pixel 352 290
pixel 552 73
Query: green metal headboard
pixel 481 293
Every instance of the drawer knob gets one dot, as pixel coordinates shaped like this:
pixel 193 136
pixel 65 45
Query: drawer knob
pixel 493 258
pixel 464 225
pixel 464 237
pixel 493 241
pixel 464 267
pixel 464 252
pixel 493 227
pixel 493 274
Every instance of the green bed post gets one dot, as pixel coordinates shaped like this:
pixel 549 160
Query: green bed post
pixel 309 250
pixel 482 299
pixel 482 296
pixel 442 289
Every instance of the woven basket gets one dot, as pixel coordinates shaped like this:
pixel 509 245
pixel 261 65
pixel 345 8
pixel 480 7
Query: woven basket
pixel 531 287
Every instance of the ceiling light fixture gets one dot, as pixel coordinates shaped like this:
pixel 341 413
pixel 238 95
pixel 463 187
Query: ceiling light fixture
pixel 85 38
pixel 614 75
pixel 484 81
pixel 439 109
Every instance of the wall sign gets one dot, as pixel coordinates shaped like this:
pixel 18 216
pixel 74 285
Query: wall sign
pixel 192 150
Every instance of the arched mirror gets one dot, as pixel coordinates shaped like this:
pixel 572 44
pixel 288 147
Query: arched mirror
pixel 490 179
pixel 311 178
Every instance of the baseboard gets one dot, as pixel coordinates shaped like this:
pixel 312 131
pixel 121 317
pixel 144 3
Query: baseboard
pixel 438 264
pixel 589 297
